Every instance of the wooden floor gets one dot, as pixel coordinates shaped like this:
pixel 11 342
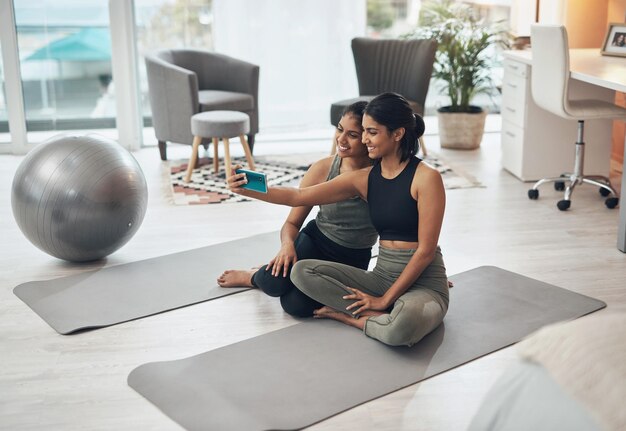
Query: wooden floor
pixel 54 382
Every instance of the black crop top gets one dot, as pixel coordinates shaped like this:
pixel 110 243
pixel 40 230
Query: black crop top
pixel 392 208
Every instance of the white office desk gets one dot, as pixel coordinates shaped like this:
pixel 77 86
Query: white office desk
pixel 588 65
pixel 605 72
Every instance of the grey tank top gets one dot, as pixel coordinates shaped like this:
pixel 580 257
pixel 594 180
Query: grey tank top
pixel 347 222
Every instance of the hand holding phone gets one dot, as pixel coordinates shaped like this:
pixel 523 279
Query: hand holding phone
pixel 257 181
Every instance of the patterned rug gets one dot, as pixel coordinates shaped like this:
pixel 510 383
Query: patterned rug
pixel 207 188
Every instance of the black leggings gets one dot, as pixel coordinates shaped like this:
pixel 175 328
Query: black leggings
pixel 310 243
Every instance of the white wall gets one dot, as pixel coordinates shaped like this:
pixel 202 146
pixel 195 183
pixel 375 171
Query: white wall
pixel 522 16
pixel 553 12
pixel 303 50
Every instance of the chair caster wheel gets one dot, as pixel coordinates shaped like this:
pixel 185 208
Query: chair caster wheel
pixel 604 192
pixel 611 203
pixel 533 194
pixel 563 205
pixel 559 186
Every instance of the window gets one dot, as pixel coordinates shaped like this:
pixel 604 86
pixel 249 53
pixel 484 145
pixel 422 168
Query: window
pixel 164 24
pixel 395 18
pixel 65 62
pixel 391 18
pixel 5 138
pixel 303 51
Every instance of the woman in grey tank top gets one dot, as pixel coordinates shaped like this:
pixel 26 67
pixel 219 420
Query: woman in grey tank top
pixel 342 231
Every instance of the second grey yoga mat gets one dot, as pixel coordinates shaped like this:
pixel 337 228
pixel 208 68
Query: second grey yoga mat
pixel 125 292
pixel 300 375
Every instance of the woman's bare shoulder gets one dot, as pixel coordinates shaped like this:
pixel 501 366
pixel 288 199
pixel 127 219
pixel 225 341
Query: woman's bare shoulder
pixel 318 171
pixel 426 175
pixel 322 164
pixel 426 171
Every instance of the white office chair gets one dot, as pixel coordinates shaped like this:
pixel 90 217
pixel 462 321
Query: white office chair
pixel 549 84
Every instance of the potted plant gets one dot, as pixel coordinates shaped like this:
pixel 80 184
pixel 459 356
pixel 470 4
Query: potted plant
pixel 462 65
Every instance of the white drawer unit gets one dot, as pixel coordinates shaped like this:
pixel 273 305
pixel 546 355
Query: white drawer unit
pixel 516 68
pixel 512 146
pixel 513 110
pixel 515 88
pixel 537 144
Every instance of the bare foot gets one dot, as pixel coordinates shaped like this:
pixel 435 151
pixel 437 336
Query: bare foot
pixel 236 278
pixel 330 313
pixel 327 312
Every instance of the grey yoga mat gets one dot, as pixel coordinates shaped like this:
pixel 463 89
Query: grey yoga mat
pixel 130 291
pixel 300 375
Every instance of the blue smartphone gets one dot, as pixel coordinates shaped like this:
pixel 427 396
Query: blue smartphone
pixel 257 181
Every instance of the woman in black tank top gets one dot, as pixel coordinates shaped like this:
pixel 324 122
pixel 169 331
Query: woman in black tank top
pixel 406 295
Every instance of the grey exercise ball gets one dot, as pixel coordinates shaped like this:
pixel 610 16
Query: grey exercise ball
pixel 79 198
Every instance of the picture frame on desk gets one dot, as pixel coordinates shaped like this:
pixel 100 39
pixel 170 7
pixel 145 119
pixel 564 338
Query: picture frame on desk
pixel 615 40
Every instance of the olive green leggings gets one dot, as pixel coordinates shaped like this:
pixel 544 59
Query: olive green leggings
pixel 415 313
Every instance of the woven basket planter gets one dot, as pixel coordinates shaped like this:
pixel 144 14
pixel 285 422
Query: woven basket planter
pixel 461 130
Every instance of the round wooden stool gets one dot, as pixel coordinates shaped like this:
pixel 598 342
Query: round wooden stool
pixel 219 125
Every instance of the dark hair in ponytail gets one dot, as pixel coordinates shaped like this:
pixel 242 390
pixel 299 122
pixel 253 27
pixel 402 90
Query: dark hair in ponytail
pixel 393 111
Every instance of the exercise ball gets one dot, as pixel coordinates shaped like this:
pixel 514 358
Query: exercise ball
pixel 79 198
